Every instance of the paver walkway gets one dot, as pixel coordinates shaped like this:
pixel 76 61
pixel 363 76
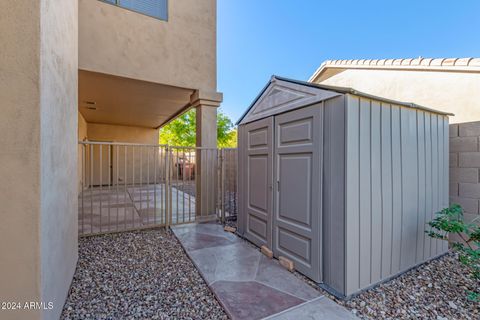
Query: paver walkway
pixel 248 284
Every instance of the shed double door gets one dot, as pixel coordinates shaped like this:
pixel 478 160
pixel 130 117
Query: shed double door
pixel 283 186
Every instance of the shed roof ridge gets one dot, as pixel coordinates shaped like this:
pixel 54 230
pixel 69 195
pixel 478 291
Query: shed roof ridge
pixel 342 90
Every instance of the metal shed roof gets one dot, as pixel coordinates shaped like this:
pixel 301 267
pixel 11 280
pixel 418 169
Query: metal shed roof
pixel 319 93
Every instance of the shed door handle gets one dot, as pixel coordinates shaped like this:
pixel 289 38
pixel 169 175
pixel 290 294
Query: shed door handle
pixel 278 185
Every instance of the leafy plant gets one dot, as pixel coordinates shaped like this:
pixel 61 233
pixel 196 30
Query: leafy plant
pixel 226 133
pixel 182 131
pixel 450 221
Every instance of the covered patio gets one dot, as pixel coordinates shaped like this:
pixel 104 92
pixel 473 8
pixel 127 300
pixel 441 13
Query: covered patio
pixel 126 179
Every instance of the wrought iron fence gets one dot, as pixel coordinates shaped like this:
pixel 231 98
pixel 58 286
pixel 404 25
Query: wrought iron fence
pixel 125 186
pixel 229 189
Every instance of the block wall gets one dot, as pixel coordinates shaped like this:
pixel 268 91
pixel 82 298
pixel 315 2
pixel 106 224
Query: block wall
pixel 464 184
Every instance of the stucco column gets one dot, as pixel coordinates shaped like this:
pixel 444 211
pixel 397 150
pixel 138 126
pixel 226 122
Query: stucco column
pixel 206 105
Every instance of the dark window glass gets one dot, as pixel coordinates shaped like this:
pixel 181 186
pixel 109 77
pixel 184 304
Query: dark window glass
pixel 153 8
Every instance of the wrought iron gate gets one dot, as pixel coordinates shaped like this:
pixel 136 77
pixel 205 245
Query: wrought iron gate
pixel 125 186
pixel 228 187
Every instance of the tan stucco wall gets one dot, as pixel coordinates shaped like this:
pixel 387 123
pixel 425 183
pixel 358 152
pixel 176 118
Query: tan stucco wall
pixel 38 90
pixel 179 52
pixel 59 105
pixel 19 154
pixel 455 92
pixel 113 133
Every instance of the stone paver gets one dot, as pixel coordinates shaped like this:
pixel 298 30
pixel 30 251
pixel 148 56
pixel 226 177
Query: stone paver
pixel 319 309
pixel 251 299
pixel 248 284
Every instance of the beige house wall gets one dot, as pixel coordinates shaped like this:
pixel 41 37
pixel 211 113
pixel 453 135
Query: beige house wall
pixel 38 89
pixel 114 133
pixel 20 155
pixel 179 52
pixel 455 92
pixel 140 158
pixel 465 167
pixel 58 107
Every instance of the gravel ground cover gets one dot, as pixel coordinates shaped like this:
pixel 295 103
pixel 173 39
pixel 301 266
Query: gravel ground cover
pixel 435 290
pixel 138 275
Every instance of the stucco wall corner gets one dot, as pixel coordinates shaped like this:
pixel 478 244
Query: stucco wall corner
pixel 58 152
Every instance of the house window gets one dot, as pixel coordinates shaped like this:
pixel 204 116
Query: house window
pixel 153 8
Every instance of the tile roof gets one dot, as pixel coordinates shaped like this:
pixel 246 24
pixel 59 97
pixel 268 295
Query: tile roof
pixel 474 62
pixel 438 64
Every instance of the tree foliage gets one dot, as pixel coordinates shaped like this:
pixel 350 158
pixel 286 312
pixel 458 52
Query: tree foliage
pixel 181 131
pixel 450 221
pixel 226 133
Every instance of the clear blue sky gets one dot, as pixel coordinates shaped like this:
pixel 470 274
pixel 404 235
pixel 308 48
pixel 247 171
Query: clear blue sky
pixel 291 38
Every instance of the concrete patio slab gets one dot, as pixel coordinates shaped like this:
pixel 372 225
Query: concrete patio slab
pixel 248 284
pixel 107 209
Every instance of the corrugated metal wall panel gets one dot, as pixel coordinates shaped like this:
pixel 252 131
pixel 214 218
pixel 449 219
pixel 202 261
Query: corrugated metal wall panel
pixel 241 179
pixel 428 182
pixel 352 200
pixel 409 188
pixel 376 190
pixel 435 170
pixel 333 231
pixel 440 173
pixel 396 178
pixel 396 189
pixel 387 191
pixel 365 191
pixel 422 166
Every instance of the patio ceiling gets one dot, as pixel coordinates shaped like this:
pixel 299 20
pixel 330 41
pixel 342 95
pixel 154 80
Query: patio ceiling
pixel 117 100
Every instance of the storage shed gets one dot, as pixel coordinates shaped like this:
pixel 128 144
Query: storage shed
pixel 341 182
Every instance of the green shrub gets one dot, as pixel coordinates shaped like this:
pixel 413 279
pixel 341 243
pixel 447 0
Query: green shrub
pixel 450 221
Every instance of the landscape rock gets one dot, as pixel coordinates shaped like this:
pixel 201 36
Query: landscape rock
pixel 434 290
pixel 138 275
